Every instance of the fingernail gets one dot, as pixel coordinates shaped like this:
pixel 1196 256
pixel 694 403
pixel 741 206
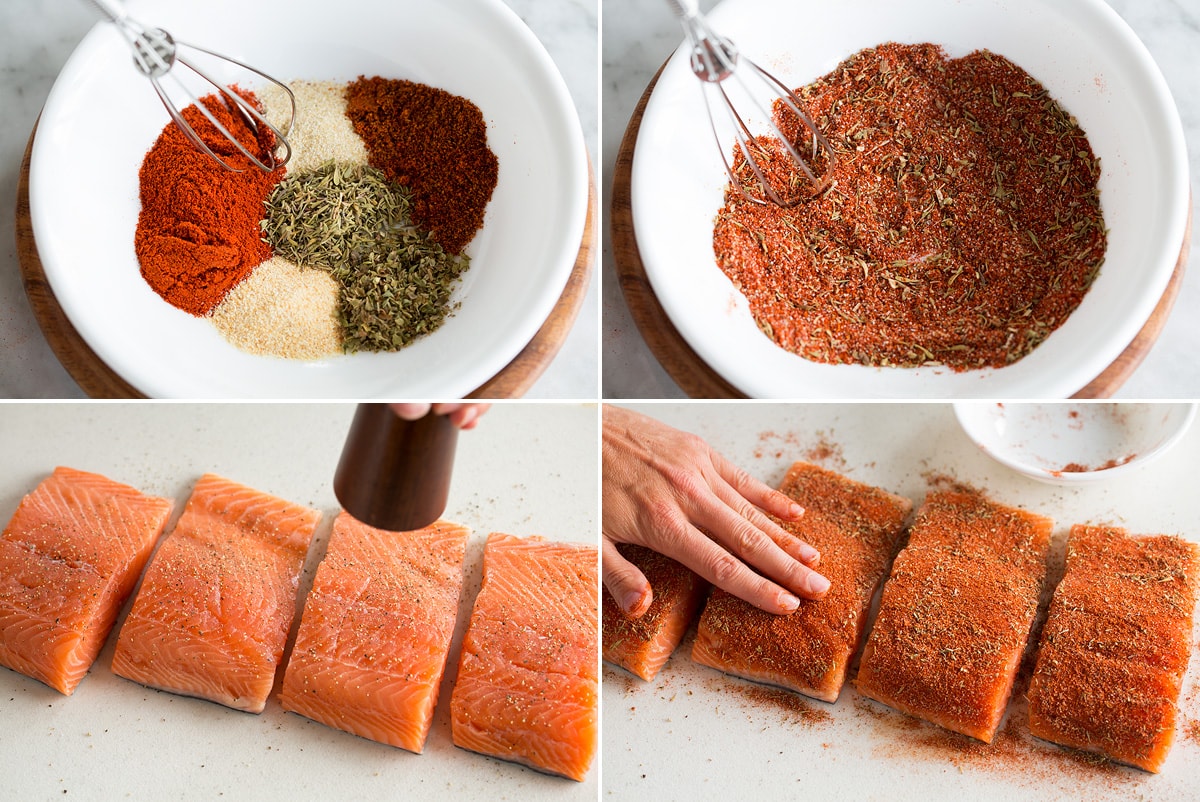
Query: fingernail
pixel 788 602
pixel 633 601
pixel 795 510
pixel 817 584
pixel 810 555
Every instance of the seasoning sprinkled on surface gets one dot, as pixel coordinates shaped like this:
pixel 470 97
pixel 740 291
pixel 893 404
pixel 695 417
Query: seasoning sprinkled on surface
pixel 956 613
pixel 643 645
pixel 855 527
pixel 1116 645
pixel 962 225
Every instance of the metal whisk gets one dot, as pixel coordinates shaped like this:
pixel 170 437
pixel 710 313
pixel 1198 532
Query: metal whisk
pixel 722 72
pixel 156 52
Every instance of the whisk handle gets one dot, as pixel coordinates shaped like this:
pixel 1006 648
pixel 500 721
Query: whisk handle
pixel 111 8
pixel 684 8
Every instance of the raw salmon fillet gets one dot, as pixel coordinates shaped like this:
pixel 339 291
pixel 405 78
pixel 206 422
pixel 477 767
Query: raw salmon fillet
pixel 955 615
pixel 527 687
pixel 856 528
pixel 1116 645
pixel 642 645
pixel 376 630
pixel 216 602
pixel 69 558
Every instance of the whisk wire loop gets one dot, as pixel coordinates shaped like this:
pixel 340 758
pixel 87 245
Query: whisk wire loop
pixel 156 53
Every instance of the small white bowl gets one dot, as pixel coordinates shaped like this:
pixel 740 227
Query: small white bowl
pixel 102 117
pixel 1072 444
pixel 1080 50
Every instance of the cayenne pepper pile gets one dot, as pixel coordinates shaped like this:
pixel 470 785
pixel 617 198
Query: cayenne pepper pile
pixel 962 224
pixel 197 234
pixel 435 144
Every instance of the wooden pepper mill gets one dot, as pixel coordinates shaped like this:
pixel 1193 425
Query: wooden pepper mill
pixel 394 474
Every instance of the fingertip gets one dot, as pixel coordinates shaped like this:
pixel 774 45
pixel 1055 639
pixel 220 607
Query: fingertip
pixel 795 511
pixel 788 603
pixel 635 602
pixel 816 585
pixel 809 556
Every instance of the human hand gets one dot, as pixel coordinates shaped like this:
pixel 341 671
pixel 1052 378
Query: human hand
pixel 464 416
pixel 669 491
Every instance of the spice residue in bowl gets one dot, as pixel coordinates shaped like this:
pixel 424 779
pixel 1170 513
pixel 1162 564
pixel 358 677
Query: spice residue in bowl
pixel 356 245
pixel 962 224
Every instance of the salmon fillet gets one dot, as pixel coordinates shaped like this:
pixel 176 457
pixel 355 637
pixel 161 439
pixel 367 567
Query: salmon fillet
pixel 1116 645
pixel 527 676
pixel 955 614
pixel 376 630
pixel 216 603
pixel 643 645
pixel 856 528
pixel 69 559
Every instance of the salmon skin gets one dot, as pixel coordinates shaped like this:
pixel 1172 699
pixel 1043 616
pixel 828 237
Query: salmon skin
pixel 527 676
pixel 643 645
pixel 216 603
pixel 1116 645
pixel 855 527
pixel 69 559
pixel 956 612
pixel 376 631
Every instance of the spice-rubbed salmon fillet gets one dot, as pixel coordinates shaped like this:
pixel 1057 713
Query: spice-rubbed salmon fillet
pixel 376 630
pixel 1116 645
pixel 956 612
pixel 69 558
pixel 855 527
pixel 213 612
pixel 526 687
pixel 642 645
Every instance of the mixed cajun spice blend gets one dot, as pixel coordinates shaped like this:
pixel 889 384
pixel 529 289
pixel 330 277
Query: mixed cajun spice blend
pixel 961 225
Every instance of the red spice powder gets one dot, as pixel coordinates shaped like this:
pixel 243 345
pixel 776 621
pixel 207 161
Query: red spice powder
pixel 435 144
pixel 197 234
pixel 961 227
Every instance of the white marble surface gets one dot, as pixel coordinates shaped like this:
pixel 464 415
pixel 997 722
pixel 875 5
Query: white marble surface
pixel 638 36
pixel 37 37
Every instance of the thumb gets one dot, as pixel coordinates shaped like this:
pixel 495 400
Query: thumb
pixel 625 582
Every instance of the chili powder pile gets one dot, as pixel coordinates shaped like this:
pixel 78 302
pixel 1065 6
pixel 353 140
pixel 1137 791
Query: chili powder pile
pixel 435 144
pixel 961 226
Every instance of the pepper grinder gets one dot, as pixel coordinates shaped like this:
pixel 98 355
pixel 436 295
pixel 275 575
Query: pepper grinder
pixel 394 474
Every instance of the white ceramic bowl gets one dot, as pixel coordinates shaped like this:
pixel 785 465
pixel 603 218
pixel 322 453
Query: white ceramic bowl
pixel 102 117
pixel 1079 49
pixel 1071 444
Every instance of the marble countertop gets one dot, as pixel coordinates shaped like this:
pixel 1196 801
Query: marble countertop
pixel 636 41
pixel 37 40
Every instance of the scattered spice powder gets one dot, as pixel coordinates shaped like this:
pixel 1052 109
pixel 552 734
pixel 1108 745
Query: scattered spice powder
pixel 435 144
pixel 1076 467
pixel 961 227
pixel 197 234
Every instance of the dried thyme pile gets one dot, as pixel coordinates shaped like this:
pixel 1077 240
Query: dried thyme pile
pixel 962 225
pixel 394 282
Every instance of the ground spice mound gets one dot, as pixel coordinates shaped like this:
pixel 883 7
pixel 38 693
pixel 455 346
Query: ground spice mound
pixel 435 144
pixel 962 224
pixel 197 234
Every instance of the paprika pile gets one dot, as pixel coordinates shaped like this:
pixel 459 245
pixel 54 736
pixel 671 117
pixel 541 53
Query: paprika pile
pixel 197 234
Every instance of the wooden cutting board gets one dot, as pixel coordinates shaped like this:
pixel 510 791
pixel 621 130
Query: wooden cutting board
pixel 699 380
pixel 98 380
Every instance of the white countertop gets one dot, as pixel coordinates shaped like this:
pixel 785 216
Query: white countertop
pixel 527 469
pixel 696 733
pixel 639 36
pixel 36 40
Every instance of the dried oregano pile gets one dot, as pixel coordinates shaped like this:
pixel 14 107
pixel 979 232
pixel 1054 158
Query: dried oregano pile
pixel 394 281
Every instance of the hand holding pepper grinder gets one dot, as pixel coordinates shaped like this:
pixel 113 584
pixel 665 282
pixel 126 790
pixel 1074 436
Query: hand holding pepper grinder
pixel 394 473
